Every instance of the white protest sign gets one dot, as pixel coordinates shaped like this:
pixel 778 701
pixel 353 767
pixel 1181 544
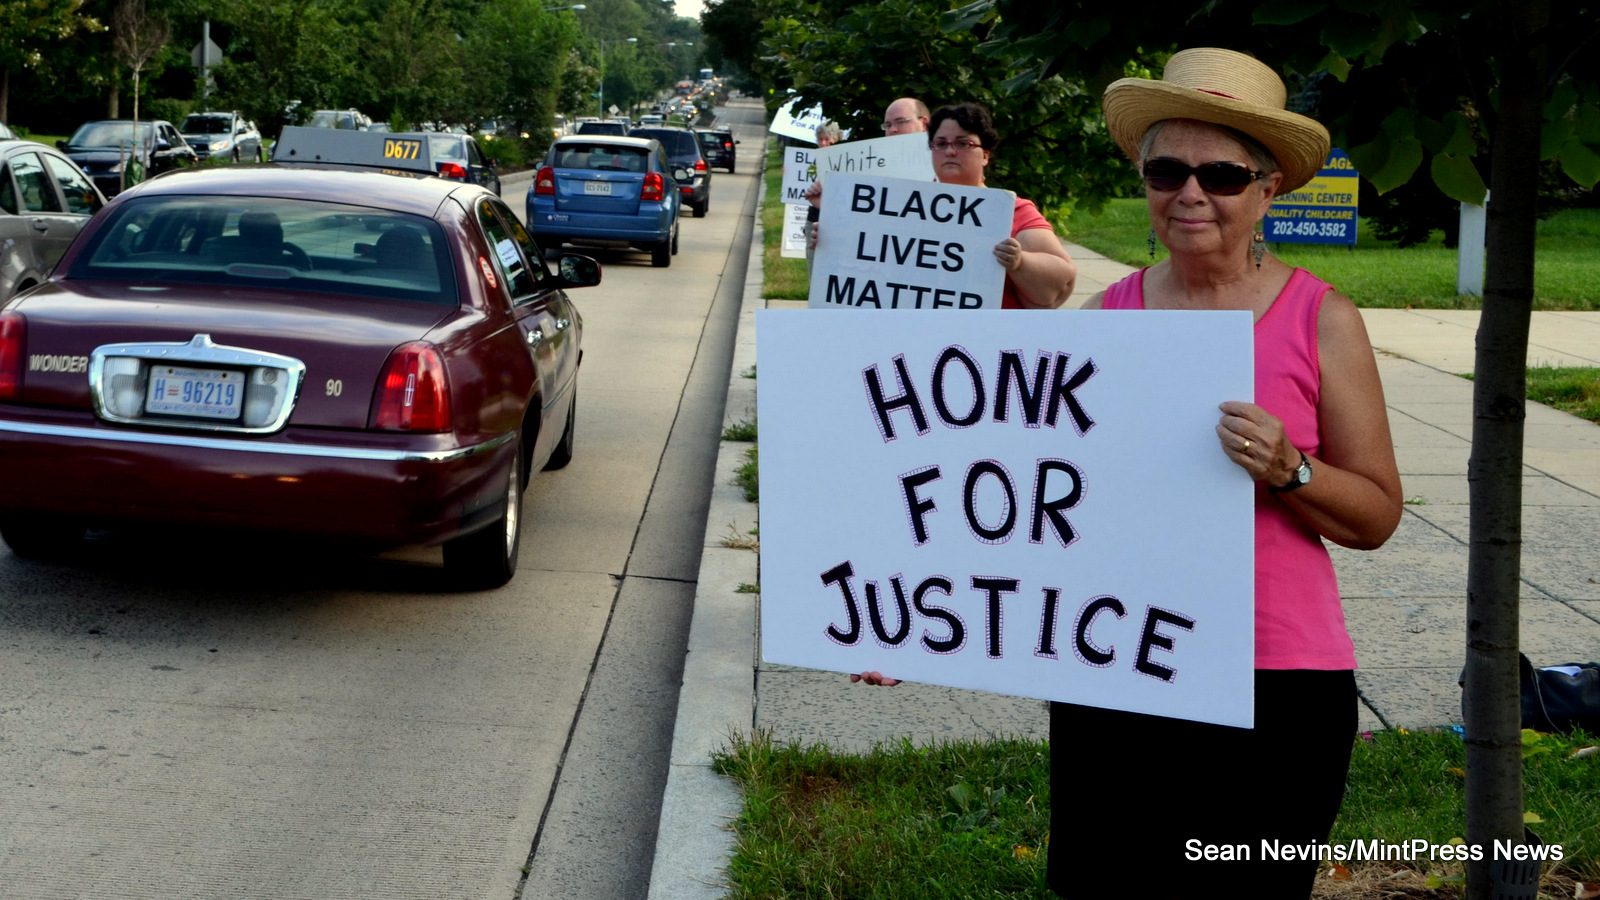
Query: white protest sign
pixel 801 126
pixel 1026 502
pixel 893 243
pixel 897 156
pixel 799 170
pixel 794 235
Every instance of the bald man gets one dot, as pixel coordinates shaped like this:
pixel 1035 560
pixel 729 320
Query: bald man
pixel 907 115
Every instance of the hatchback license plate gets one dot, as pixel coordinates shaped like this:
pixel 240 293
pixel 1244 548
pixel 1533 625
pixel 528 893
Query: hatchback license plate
pixel 204 393
pixel 597 188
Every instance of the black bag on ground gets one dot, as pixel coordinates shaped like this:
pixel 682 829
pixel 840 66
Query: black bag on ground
pixel 1559 701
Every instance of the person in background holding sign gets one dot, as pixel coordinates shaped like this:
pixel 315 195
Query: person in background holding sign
pixel 1039 272
pixel 907 115
pixel 1215 146
pixel 828 134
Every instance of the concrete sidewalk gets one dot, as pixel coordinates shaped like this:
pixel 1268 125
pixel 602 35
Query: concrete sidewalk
pixel 1404 603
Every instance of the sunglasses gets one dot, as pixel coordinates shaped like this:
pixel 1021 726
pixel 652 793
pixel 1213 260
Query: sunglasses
pixel 1224 179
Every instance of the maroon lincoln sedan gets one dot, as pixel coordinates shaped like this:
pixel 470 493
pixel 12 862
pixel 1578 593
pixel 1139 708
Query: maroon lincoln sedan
pixel 300 347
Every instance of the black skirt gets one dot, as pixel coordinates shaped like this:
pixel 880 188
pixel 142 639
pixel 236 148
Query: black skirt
pixel 1148 806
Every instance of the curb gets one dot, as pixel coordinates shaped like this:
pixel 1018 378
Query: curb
pixel 717 698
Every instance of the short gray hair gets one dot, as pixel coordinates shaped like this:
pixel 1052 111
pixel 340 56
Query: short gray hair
pixel 1260 156
pixel 831 131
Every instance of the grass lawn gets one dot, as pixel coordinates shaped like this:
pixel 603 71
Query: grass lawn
pixel 1571 390
pixel 784 279
pixel 972 819
pixel 1379 274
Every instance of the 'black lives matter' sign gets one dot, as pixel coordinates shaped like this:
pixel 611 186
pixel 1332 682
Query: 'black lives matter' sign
pixel 895 243
pixel 1026 502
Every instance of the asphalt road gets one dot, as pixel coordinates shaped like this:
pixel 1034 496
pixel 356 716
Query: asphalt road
pixel 219 718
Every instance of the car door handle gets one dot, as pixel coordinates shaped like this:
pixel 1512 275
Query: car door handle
pixel 41 225
pixel 534 337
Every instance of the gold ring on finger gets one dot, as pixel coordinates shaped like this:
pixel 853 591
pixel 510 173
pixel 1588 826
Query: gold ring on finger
pixel 1246 447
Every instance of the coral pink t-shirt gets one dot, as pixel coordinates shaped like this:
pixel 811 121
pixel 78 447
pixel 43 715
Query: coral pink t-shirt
pixel 1024 215
pixel 1299 620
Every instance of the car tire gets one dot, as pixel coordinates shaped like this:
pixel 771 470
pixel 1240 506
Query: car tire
pixel 674 242
pixel 41 537
pixel 238 156
pixel 487 558
pixel 661 255
pixel 261 154
pixel 563 452
pixel 730 168
pixel 701 207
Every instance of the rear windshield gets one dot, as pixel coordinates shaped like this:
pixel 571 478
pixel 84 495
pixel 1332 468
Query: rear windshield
pixel 613 128
pixel 109 134
pixel 447 147
pixel 606 157
pixel 286 245
pixel 206 124
pixel 677 143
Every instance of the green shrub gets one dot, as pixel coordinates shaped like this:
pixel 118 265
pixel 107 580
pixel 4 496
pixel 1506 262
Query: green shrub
pixel 169 108
pixel 505 151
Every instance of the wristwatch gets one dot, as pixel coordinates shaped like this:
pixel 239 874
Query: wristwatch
pixel 1300 478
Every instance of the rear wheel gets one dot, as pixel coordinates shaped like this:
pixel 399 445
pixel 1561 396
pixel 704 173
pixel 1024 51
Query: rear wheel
pixel 39 536
pixel 730 168
pixel 674 242
pixel 563 452
pixel 661 255
pixel 701 207
pixel 487 558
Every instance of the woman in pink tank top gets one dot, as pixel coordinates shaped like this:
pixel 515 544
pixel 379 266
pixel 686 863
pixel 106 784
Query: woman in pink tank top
pixel 1215 146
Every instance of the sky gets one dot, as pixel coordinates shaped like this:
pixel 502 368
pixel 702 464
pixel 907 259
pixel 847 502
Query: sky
pixel 689 9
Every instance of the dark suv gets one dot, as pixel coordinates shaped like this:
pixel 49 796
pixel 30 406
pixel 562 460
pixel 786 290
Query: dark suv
pixel 717 144
pixel 683 152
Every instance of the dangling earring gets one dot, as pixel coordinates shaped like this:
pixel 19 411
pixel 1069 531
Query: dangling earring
pixel 1258 246
pixel 1151 243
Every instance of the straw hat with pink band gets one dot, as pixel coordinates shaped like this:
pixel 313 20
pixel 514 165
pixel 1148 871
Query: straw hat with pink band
pixel 1222 87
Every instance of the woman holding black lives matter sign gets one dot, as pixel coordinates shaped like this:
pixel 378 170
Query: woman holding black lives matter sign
pixel 1039 272
pixel 1163 802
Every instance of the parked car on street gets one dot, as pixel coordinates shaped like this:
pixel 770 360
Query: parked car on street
pixel 225 135
pixel 458 156
pixel 103 149
pixel 318 348
pixel 45 200
pixel 340 119
pixel 683 151
pixel 607 191
pixel 718 146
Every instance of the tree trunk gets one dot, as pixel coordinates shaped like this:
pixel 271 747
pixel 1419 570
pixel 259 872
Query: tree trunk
pixel 1494 474
pixel 112 108
pixel 5 95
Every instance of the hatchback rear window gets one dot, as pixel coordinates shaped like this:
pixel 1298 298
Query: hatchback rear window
pixel 605 157
pixel 287 245
pixel 677 143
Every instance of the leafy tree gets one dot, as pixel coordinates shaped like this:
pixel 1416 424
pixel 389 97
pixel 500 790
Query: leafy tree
pixel 579 81
pixel 283 51
pixel 139 38
pixel 27 29
pixel 518 53
pixel 413 70
pixel 1410 81
pixel 727 27
pixel 857 58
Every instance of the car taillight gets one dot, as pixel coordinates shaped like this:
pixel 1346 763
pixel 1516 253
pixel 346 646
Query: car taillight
pixel 13 347
pixel 452 170
pixel 699 165
pixel 727 145
pixel 654 185
pixel 545 181
pixel 413 394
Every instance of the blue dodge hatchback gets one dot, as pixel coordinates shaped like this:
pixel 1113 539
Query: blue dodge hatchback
pixel 609 192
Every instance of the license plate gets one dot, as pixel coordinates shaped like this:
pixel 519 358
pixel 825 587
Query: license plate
pixel 597 188
pixel 203 393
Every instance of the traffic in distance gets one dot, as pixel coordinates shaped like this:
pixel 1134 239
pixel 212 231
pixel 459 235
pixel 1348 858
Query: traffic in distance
pixel 340 344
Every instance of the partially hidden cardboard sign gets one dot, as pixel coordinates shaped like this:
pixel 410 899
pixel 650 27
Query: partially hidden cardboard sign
pixel 896 156
pixel 799 170
pixel 1026 502
pixel 895 243
pixel 800 125
pixel 794 235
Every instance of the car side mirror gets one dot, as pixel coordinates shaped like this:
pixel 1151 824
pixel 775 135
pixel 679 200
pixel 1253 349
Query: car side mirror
pixel 61 144
pixel 163 144
pixel 579 271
